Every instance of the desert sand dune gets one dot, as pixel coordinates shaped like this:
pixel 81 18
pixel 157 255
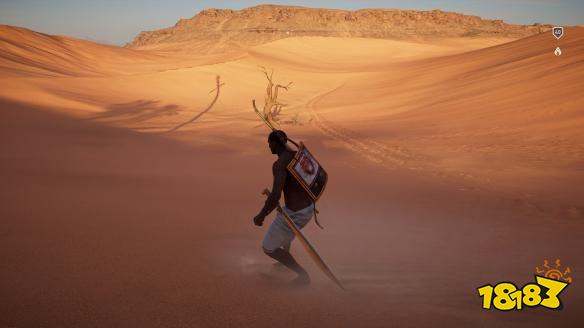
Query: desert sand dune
pixel 452 165
pixel 321 54
pixel 29 53
pixel 515 105
pixel 179 80
pixel 25 52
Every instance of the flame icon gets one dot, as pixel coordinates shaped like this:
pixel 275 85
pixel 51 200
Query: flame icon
pixel 558 51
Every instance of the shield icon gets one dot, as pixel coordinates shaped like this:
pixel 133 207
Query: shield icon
pixel 558 32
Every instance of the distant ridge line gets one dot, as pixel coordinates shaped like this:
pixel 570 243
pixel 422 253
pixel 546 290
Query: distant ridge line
pixel 266 23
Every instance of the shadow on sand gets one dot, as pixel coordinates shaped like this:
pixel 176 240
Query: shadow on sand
pixel 137 111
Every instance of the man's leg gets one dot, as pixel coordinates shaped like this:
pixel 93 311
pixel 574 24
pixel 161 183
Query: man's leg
pixel 276 244
pixel 288 260
pixel 287 246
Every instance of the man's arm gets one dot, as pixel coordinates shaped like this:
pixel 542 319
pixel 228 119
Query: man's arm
pixel 279 172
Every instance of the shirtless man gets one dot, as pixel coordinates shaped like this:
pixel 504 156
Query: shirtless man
pixel 299 207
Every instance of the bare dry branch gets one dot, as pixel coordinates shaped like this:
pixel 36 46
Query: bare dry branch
pixel 272 108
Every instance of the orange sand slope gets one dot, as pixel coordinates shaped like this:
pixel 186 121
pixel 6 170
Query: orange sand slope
pixel 501 114
pixel 453 163
pixel 28 53
pixel 444 107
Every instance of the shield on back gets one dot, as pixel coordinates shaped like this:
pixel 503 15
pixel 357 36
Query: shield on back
pixel 308 172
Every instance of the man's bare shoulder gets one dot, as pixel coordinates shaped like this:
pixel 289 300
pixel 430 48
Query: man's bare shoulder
pixel 282 162
pixel 279 165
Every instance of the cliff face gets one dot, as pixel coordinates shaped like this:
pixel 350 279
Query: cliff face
pixel 265 23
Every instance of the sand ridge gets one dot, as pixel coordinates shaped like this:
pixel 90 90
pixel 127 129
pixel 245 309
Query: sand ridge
pixel 449 165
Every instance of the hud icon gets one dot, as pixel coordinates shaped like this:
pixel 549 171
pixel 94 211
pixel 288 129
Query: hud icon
pixel 558 32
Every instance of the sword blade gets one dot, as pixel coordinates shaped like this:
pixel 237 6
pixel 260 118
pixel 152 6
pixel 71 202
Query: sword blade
pixel 307 245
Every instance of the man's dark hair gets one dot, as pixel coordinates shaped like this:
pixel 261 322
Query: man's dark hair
pixel 278 136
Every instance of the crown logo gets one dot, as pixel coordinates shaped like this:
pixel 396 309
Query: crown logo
pixel 555 273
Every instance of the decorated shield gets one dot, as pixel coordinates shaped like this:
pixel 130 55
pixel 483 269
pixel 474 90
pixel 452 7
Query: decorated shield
pixel 308 172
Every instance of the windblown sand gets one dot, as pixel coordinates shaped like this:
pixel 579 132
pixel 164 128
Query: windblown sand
pixel 452 164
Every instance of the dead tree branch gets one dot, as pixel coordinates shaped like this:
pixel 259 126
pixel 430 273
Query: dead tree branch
pixel 272 107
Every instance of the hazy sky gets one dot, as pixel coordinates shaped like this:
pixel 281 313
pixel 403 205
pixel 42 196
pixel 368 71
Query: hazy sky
pixel 119 21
